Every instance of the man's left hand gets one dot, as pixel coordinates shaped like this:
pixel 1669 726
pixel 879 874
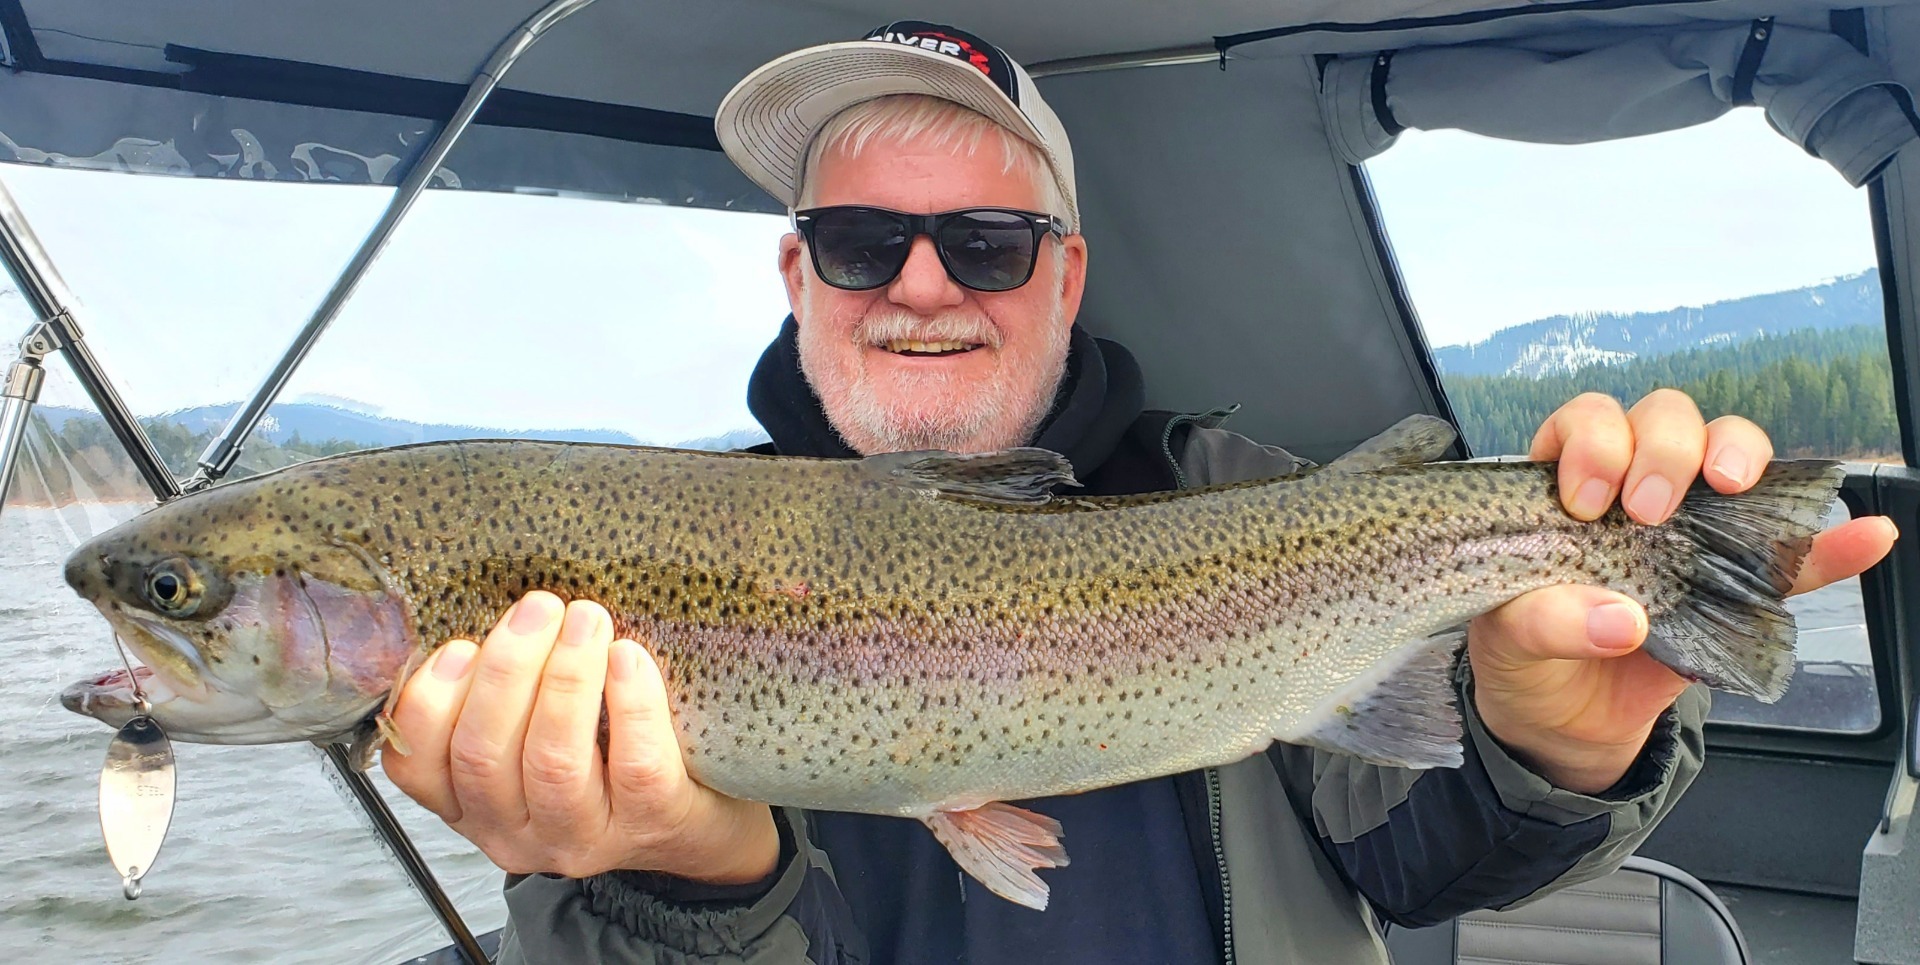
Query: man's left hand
pixel 1559 677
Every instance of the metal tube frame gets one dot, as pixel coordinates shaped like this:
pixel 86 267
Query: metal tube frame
pixel 22 253
pixel 221 453
pixel 47 294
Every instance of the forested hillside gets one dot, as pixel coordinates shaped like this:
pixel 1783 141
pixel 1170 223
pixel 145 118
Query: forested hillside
pixel 1827 393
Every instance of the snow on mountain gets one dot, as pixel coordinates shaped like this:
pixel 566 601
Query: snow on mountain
pixel 1567 343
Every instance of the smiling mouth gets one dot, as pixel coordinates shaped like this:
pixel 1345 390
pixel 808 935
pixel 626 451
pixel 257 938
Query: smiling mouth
pixel 914 348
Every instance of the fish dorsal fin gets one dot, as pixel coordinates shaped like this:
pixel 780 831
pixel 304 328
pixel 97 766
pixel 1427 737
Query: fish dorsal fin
pixel 1409 442
pixel 1401 713
pixel 1020 476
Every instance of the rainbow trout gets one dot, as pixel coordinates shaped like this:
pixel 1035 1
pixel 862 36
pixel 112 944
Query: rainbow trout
pixel 923 634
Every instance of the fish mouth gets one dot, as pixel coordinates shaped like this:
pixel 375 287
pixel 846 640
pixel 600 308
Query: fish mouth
pixel 114 696
pixel 169 658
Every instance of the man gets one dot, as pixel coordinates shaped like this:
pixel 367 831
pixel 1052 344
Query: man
pixel 956 332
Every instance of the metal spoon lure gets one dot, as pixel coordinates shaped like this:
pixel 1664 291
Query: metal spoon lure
pixel 136 795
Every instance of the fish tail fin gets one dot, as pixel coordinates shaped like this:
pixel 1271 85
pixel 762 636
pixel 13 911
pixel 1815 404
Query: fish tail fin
pixel 1731 630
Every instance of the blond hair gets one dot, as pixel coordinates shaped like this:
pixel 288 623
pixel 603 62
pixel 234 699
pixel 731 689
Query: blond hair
pixel 905 117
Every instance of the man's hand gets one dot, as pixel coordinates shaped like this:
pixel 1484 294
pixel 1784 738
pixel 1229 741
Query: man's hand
pixel 505 750
pixel 1558 675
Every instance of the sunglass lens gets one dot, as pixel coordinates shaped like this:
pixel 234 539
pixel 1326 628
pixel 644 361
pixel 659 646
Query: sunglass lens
pixel 989 250
pixel 859 249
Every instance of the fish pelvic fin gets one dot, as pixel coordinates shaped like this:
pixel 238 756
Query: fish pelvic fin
pixel 1401 713
pixel 1001 846
pixel 1016 476
pixel 1731 630
pixel 1412 441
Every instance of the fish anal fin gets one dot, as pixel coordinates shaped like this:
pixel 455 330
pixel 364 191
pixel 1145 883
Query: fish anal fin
pixel 1001 846
pixel 1019 476
pixel 1412 441
pixel 1401 713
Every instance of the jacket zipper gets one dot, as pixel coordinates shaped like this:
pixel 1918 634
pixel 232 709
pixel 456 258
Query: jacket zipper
pixel 1213 774
pixel 1220 862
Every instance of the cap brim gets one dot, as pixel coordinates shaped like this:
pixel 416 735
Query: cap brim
pixel 767 121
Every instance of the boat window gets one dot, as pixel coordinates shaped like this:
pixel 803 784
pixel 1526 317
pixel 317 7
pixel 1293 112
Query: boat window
pixel 1719 259
pixel 489 315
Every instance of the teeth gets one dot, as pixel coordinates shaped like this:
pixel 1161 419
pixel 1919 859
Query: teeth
pixel 914 345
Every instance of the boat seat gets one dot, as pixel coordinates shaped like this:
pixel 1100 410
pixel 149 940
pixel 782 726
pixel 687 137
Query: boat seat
pixel 1647 913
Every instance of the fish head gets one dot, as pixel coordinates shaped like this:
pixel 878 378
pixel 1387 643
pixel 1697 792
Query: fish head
pixel 251 625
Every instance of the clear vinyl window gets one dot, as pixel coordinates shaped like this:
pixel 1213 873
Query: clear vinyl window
pixel 1719 260
pixel 488 315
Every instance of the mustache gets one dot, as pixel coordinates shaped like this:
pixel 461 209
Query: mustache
pixel 883 327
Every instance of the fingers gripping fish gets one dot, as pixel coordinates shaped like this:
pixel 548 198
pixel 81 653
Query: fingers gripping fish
pixel 926 635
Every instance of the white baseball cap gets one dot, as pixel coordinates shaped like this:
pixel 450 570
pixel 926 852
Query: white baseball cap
pixel 769 119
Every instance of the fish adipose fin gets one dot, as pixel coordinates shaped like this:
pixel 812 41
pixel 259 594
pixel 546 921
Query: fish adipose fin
pixel 1731 631
pixel 1401 713
pixel 1002 845
pixel 1008 476
pixel 1412 441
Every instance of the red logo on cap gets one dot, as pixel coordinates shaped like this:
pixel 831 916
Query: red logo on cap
pixel 941 43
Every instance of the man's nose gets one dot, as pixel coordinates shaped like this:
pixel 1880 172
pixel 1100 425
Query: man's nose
pixel 923 285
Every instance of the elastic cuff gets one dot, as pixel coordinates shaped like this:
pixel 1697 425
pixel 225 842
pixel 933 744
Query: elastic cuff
pixel 651 906
pixel 1523 790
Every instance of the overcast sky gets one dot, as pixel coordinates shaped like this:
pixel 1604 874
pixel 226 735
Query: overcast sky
pixel 523 312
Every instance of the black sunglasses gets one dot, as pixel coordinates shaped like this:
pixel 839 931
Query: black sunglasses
pixel 986 249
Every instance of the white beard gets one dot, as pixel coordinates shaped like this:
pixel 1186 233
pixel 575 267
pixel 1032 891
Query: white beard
pixel 1002 414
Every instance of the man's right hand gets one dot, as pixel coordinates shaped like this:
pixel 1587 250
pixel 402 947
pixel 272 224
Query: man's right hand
pixel 504 742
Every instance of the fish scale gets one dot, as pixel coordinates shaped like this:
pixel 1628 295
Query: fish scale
pixel 924 634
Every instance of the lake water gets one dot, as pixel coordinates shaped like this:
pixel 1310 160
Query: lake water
pixel 267 860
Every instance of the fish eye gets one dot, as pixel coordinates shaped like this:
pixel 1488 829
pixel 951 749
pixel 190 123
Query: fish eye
pixel 174 588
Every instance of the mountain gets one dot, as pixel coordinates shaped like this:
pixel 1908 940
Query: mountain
pixel 316 422
pixel 1567 343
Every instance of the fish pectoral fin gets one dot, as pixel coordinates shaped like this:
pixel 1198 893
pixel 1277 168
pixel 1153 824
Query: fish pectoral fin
pixel 1401 713
pixel 1412 441
pixel 1019 476
pixel 365 740
pixel 1001 846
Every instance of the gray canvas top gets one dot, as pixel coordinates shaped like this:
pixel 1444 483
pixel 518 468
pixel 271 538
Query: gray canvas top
pixel 1289 307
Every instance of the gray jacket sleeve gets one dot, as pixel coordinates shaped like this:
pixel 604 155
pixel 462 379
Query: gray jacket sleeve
pixel 1429 845
pixel 632 919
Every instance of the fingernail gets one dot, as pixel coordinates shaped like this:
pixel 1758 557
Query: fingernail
pixel 1590 500
pixel 580 627
pixel 626 660
pixel 452 662
pixel 1734 465
pixel 1614 626
pixel 1649 500
pixel 532 613
pixel 1892 530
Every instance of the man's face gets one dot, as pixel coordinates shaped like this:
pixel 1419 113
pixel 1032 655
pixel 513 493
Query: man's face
pixel 883 395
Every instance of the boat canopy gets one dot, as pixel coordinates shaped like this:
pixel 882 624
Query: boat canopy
pixel 1234 244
